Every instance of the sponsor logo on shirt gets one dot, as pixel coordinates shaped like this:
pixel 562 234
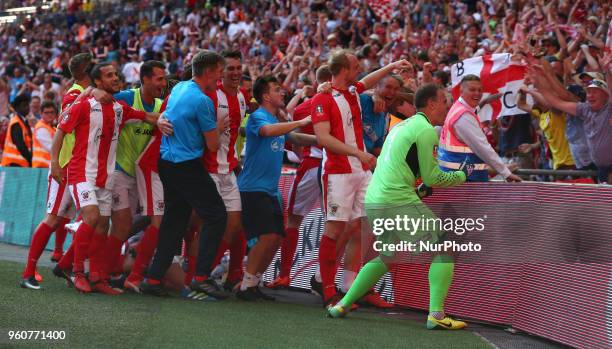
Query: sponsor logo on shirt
pixel 223 106
pixel 143 131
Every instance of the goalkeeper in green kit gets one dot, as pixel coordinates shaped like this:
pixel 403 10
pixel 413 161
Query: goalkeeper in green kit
pixel 407 154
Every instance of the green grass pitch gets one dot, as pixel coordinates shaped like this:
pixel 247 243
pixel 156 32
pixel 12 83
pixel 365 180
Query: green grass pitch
pixel 134 321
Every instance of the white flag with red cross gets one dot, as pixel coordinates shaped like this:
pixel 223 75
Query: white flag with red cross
pixel 498 74
pixel 382 8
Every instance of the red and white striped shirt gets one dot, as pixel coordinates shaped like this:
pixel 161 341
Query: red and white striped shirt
pixel 96 127
pixel 342 110
pixel 224 160
pixel 70 97
pixel 302 111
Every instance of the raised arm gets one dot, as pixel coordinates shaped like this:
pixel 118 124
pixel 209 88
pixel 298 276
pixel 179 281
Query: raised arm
pixel 550 98
pixel 374 77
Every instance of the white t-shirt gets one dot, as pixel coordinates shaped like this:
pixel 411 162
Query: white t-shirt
pixel 131 71
pixel 44 137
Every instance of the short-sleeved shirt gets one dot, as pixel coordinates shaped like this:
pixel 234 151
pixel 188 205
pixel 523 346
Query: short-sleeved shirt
pixel 553 126
pixel 96 127
pixel 598 129
pixel 342 110
pixel 302 111
pixel 224 160
pixel 264 156
pixel 576 137
pixel 68 143
pixel 191 113
pixel 374 124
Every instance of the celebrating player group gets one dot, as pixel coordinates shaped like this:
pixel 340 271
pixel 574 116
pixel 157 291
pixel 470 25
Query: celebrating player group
pixel 153 178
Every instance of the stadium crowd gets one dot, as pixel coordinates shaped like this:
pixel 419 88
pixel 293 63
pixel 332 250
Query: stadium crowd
pixel 339 75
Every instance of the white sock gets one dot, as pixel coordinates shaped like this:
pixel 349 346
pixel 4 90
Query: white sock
pixel 348 277
pixel 318 275
pixel 248 280
pixel 260 278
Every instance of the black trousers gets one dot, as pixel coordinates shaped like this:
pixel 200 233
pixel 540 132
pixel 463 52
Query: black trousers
pixel 188 186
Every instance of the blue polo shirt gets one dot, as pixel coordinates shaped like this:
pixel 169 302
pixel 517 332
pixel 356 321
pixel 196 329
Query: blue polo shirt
pixel 191 113
pixel 263 159
pixel 374 124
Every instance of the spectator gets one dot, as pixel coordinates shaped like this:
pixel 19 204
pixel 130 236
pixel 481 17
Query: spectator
pixel 374 112
pixel 596 114
pixel 552 123
pixel 18 145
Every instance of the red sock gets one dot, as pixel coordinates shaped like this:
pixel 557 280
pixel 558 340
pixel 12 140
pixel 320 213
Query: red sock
pixel 96 256
pixel 60 235
pixel 237 252
pixel 40 238
pixel 110 255
pixel 191 268
pixel 66 262
pixel 144 252
pixel 328 266
pixel 223 246
pixel 288 250
pixel 153 282
pixel 81 246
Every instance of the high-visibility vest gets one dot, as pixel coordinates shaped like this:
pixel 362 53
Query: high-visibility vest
pixel 452 152
pixel 41 158
pixel 11 155
pixel 134 137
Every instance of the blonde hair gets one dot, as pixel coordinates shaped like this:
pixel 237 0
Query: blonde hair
pixel 338 60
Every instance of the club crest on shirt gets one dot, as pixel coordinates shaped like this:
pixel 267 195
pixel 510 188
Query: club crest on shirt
pixel 319 109
pixel 276 145
pixel 333 209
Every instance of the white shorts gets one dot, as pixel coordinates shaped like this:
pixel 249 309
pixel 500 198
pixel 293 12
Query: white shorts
pixel 125 194
pixel 305 191
pixel 150 193
pixel 228 189
pixel 143 194
pixel 85 194
pixel 59 202
pixel 344 195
